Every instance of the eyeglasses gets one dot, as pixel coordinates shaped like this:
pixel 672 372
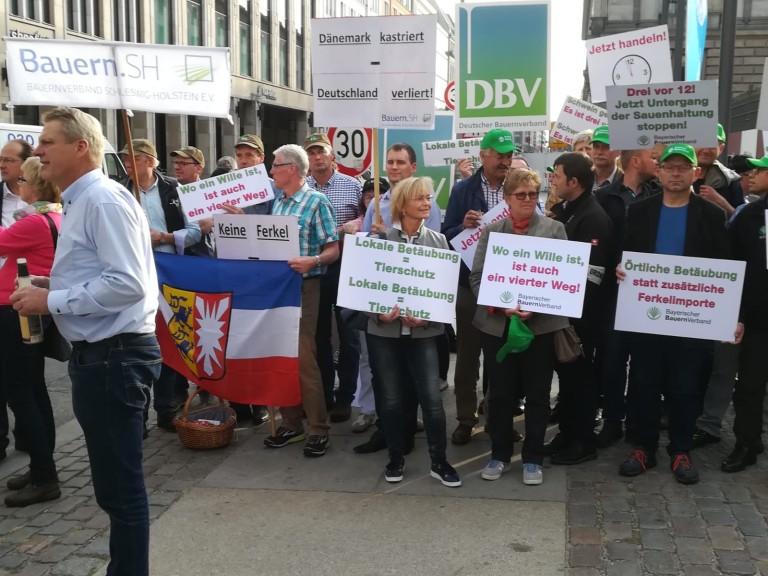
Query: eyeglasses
pixel 180 163
pixel 21 180
pixel 680 168
pixel 423 198
pixel 523 195
pixel 278 164
pixel 9 160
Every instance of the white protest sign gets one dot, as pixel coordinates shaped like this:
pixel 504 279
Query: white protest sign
pixel 377 72
pixel 446 152
pixel 256 237
pixel 576 116
pixel 151 77
pixel 378 274
pixel 637 57
pixel 669 113
pixel 679 296
pixel 241 188
pixel 465 243
pixel 540 274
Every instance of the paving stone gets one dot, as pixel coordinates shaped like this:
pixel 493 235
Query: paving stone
pixel 585 556
pixel 617 517
pixel 43 519
pixel 31 510
pixel 33 569
pixel 581 496
pixel 746 511
pixel 753 528
pixel 758 548
pixel 98 547
pixel 19 535
pixel 710 504
pixel 681 509
pixel 12 560
pixel 65 461
pixel 623 568
pixel 584 535
pixel 694 550
pixel 56 553
pixel 78 536
pixel 581 571
pixel 736 493
pixel 700 571
pixel 85 491
pixel 59 527
pixel 99 521
pixel 651 518
pixel 622 551
pixel 702 490
pixel 65 475
pixel 8 524
pixel 649 501
pixel 718 517
pixel 582 515
pixel 77 566
pixel 656 539
pixel 163 498
pixel 691 527
pixel 33 545
pixel 724 538
pixel 66 505
pixel 617 531
pixel 659 562
pixel 615 504
pixel 78 481
pixel 735 562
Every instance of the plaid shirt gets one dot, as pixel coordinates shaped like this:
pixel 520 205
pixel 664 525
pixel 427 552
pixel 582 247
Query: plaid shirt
pixel 344 193
pixel 492 195
pixel 317 221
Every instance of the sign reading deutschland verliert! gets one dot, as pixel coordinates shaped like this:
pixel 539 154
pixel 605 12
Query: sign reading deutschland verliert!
pixel 377 72
pixel 378 274
pixel 679 296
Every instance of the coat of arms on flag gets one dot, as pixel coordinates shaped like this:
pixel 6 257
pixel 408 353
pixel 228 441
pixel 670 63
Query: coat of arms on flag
pixel 231 326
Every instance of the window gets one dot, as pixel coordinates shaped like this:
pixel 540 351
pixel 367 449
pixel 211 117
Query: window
pixel 84 16
pixel 298 22
pixel 164 22
pixel 39 10
pixel 265 37
pixel 126 21
pixel 282 15
pixel 244 44
pixel 194 23
pixel 222 23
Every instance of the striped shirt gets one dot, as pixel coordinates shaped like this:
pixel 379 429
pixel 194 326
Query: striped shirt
pixel 317 221
pixel 344 193
pixel 492 195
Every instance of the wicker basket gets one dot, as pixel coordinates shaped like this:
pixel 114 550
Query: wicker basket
pixel 197 436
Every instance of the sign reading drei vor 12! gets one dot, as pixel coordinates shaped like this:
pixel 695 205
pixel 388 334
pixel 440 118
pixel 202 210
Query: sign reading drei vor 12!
pixel 150 77
pixel 539 274
pixel 244 187
pixel 679 296
pixel 496 88
pixel 644 115
pixel 377 275
pixel 377 72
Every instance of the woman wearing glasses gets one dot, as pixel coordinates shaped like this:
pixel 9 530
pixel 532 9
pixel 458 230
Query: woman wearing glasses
pixel 22 366
pixel 527 373
pixel 404 348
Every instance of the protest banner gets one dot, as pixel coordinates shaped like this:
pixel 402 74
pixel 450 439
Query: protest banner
pixel 495 91
pixel 378 274
pixel 642 116
pixel 577 115
pixel 636 57
pixel 377 72
pixel 679 296
pixel 194 80
pixel 256 237
pixel 446 152
pixel 465 243
pixel 542 275
pixel 241 188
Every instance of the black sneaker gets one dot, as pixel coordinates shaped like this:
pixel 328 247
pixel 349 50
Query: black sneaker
pixel 702 438
pixel 609 434
pixel 394 470
pixel 32 494
pixel 559 442
pixel 637 462
pixel 446 474
pixel 315 446
pixel 683 469
pixel 283 437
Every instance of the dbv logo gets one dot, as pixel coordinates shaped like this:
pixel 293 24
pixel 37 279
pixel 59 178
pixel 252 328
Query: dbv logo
pixel 500 94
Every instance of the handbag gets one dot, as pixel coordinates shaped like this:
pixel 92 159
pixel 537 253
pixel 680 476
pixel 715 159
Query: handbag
pixel 567 345
pixel 55 346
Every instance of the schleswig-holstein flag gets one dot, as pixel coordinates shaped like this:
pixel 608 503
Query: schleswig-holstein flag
pixel 232 326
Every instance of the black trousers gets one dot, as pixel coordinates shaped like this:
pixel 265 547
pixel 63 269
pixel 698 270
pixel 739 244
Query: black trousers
pixel 749 391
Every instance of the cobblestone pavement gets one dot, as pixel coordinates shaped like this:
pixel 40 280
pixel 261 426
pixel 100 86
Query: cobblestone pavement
pixel 651 524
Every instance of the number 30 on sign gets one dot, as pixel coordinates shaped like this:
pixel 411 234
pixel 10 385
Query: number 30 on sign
pixel 352 148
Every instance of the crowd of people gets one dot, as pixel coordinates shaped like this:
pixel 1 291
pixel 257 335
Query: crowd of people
pixel 101 291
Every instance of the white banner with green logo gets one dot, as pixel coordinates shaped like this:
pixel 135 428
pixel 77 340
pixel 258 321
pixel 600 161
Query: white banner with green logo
pixel 193 80
pixel 680 296
pixel 539 274
pixel 502 69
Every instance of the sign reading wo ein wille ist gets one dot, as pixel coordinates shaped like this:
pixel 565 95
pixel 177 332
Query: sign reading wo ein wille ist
pixel 540 274
pixel 241 188
pixel 679 296
pixel 378 274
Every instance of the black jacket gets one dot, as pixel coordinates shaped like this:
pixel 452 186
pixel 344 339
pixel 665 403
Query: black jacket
pixel 466 195
pixel 586 221
pixel 747 233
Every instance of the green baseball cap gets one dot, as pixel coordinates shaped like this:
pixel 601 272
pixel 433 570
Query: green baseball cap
pixel 720 132
pixel 601 135
pixel 500 140
pixel 551 169
pixel 758 162
pixel 684 150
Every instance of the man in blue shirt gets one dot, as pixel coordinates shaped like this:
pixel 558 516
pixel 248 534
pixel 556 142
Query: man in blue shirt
pixel 103 296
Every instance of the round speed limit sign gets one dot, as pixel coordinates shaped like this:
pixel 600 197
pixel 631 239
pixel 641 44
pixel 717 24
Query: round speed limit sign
pixel 352 148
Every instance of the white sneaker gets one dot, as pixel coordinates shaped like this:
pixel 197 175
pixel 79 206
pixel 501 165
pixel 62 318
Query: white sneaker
pixel 363 422
pixel 494 469
pixel 443 385
pixel 532 474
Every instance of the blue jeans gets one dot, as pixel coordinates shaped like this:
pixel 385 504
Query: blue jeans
pixel 405 365
pixel 110 387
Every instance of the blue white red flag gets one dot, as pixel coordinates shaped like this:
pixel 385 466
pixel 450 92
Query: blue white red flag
pixel 232 326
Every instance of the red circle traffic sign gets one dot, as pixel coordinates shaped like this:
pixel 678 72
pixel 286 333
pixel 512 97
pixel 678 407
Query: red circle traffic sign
pixel 450 95
pixel 352 149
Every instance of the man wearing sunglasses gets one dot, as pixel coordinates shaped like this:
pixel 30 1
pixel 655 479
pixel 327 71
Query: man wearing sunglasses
pixel 585 221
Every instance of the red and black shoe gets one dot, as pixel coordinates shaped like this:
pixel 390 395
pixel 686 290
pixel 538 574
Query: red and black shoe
pixel 637 462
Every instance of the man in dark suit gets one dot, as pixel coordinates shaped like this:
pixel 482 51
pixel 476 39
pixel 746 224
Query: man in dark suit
pixel 679 223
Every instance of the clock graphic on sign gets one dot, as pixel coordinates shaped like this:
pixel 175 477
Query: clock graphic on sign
pixel 631 69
